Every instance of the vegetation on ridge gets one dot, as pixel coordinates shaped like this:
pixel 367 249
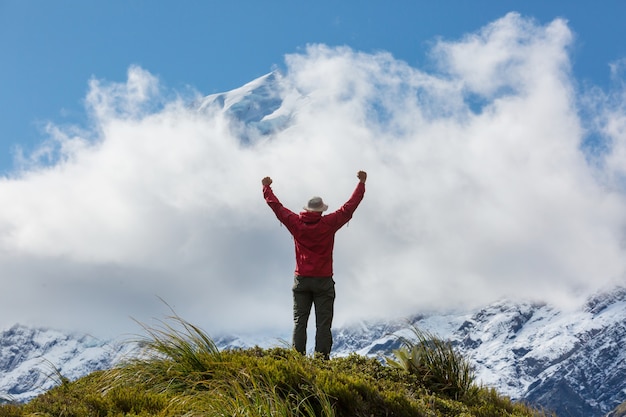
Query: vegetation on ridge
pixel 183 373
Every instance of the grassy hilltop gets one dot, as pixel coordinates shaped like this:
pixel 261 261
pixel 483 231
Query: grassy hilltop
pixel 182 373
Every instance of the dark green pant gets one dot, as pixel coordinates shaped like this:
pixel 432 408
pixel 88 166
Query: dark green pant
pixel 306 292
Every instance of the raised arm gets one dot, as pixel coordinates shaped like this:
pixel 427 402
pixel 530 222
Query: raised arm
pixel 283 214
pixel 344 214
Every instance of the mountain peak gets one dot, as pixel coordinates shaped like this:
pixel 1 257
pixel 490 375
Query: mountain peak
pixel 259 107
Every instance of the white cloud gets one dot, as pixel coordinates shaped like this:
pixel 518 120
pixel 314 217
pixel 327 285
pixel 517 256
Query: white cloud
pixel 477 189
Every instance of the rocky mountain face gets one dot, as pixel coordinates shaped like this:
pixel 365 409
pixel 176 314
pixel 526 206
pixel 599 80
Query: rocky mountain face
pixel 572 362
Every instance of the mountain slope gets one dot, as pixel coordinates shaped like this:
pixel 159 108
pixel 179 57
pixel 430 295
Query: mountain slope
pixel 32 360
pixel 572 361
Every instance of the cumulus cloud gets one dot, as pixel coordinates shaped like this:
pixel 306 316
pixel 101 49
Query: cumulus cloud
pixel 479 188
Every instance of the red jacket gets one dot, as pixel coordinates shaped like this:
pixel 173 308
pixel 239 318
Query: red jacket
pixel 314 233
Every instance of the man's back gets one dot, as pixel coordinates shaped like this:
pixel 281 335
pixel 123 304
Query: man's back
pixel 314 233
pixel 314 237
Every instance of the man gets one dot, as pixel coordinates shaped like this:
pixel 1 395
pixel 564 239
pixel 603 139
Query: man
pixel 314 238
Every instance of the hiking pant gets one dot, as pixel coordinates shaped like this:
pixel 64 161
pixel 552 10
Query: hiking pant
pixel 306 292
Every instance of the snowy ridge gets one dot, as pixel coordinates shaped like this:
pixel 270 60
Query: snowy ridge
pixel 31 359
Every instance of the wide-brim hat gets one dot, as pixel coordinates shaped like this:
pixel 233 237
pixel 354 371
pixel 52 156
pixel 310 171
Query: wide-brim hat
pixel 316 204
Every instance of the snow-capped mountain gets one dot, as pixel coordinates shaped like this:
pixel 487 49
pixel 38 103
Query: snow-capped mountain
pixel 570 361
pixel 260 105
pixel 33 360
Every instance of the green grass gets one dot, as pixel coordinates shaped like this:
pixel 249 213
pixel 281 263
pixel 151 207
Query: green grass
pixel 437 364
pixel 182 373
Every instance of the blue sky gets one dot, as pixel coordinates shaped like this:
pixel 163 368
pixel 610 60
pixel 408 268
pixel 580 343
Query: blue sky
pixel 468 116
pixel 50 50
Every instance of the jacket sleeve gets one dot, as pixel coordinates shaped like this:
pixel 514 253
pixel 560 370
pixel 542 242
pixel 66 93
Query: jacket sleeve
pixel 344 214
pixel 284 215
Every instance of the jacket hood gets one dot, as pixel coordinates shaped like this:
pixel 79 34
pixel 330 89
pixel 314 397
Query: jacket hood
pixel 310 216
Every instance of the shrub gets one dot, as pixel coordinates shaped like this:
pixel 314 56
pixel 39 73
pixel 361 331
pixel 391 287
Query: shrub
pixel 10 410
pixel 437 364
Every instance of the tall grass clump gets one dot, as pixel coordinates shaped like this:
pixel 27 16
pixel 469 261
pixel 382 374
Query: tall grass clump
pixel 181 362
pixel 438 365
pixel 176 356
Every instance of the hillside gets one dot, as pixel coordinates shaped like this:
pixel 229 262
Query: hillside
pixel 182 372
pixel 529 352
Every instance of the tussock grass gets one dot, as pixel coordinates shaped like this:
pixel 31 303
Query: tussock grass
pixel 438 365
pixel 182 373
